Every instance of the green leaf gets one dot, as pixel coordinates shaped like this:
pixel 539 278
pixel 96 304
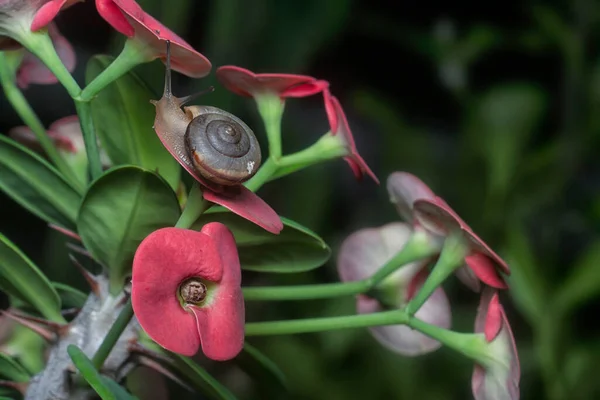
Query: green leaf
pixel 12 370
pixel 124 117
pixel 119 210
pixel 261 368
pixel 36 185
pixel 528 286
pixel 69 296
pixel 295 249
pixel 583 283
pixel 20 277
pixel 202 379
pixel 106 388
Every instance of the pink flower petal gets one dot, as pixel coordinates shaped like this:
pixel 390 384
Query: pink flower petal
pixel 365 251
pixel 66 132
pixel 246 83
pixel 485 270
pixel 404 189
pixel 153 35
pixel 165 259
pixel 245 203
pixel 400 338
pixel 337 119
pixel 498 380
pixel 437 217
pixel 46 13
pixel 32 70
pixel 221 323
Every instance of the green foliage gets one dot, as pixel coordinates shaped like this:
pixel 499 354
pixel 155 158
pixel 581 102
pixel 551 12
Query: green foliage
pixel 119 210
pixel 295 249
pixel 202 379
pixel 106 388
pixel 11 370
pixel 21 278
pixel 36 185
pixel 69 296
pixel 122 115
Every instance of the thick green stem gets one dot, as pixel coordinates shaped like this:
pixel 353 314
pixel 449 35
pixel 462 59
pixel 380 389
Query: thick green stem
pixel 325 324
pixel 270 108
pixel 469 344
pixel 84 111
pixel 418 247
pixel 306 292
pixel 194 207
pixel 451 257
pixel 132 54
pixel 40 44
pixel 113 335
pixel 264 174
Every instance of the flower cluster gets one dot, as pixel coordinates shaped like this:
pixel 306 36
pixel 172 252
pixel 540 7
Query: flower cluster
pixel 476 264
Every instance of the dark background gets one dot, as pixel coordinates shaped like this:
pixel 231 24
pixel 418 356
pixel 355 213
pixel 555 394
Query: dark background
pixel 493 104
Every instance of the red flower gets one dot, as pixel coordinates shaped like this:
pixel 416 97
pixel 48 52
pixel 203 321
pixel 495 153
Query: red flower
pixel 500 378
pixel 246 83
pixel 361 255
pixel 339 126
pixel 186 291
pixel 417 203
pixel 127 17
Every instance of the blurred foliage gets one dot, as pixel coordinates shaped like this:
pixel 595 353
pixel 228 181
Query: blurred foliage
pixel 494 105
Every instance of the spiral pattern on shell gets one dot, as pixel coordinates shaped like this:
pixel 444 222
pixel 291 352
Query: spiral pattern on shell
pixel 222 147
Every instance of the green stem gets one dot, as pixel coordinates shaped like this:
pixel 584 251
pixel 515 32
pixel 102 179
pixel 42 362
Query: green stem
pixel 194 207
pixel 417 248
pixel 469 344
pixel 132 55
pixel 40 44
pixel 84 111
pixel 451 257
pixel 113 335
pixel 306 292
pixel 26 113
pixel 325 324
pixel 270 108
pixel 264 174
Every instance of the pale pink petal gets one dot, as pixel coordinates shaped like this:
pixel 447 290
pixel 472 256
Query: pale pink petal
pixel 404 189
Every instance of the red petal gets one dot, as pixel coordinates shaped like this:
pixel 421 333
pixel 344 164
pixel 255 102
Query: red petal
pixel 162 262
pixel 248 205
pixel 331 110
pixel 221 323
pixel 305 89
pixel 113 15
pixel 246 83
pixel 149 31
pixel 32 70
pixel 404 189
pixel 485 270
pixel 46 13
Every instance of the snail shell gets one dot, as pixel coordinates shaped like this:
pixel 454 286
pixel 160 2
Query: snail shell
pixel 223 149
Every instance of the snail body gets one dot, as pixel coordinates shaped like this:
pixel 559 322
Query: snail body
pixel 221 147
pixel 213 145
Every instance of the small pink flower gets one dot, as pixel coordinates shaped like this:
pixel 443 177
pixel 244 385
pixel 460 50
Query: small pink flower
pixel 500 378
pixel 186 291
pixel 339 126
pixel 246 83
pixel 67 137
pixel 361 255
pixel 128 18
pixel 36 15
pixel 417 204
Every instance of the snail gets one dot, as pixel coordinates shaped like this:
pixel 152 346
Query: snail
pixel 215 146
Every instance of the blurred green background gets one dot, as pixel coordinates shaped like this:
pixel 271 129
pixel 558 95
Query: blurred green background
pixel 493 104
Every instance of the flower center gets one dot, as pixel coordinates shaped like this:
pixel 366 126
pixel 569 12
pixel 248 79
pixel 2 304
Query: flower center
pixel 192 291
